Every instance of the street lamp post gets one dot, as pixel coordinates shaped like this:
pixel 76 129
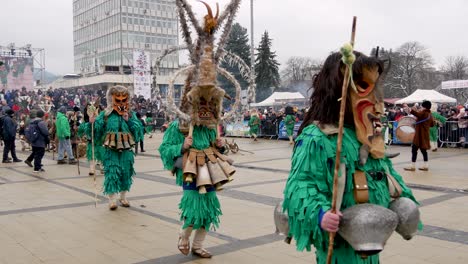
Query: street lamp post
pixel 252 52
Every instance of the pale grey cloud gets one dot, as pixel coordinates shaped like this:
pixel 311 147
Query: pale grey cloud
pixel 298 27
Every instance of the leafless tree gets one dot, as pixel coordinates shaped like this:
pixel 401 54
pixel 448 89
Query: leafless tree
pixel 410 64
pixel 456 68
pixel 299 69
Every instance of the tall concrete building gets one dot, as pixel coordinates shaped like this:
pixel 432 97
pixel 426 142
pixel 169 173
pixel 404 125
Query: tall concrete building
pixel 106 32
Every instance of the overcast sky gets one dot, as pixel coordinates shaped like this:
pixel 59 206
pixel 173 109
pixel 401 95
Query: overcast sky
pixel 297 27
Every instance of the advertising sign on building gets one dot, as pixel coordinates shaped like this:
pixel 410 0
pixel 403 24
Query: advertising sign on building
pixel 16 73
pixel 142 73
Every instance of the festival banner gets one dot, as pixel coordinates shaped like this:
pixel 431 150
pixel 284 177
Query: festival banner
pixel 16 73
pixel 142 73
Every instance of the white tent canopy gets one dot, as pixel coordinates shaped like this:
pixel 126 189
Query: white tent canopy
pixel 426 95
pixel 280 98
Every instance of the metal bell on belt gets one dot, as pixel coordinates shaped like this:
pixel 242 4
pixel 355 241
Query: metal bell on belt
pixel 281 222
pixel 218 178
pixel 227 169
pixel 408 216
pixel 190 170
pixel 203 178
pixel 367 227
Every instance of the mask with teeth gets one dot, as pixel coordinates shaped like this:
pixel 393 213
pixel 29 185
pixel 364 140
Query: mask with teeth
pixel 118 100
pixel 368 107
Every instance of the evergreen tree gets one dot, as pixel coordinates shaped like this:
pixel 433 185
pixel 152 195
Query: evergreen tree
pixel 266 69
pixel 237 44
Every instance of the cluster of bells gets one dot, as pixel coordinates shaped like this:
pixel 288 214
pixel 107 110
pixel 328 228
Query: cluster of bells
pixel 119 141
pixel 209 168
pixel 367 227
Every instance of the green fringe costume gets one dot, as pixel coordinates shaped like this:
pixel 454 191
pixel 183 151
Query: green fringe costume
pixel 198 210
pixel 309 190
pixel 254 124
pixel 85 130
pixel 289 122
pixel 149 125
pixel 433 131
pixel 118 164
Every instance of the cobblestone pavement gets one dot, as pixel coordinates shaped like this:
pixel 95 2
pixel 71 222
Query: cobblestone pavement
pixel 51 217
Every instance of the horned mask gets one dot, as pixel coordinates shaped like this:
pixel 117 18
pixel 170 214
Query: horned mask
pixel 210 21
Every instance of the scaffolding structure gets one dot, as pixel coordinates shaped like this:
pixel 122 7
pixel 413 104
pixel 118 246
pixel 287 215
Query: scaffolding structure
pixel 27 51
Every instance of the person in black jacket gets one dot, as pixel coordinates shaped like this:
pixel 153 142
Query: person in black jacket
pixel 38 146
pixel 9 136
pixel 143 124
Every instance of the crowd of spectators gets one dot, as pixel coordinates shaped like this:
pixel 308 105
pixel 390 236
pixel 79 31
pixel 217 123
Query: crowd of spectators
pixel 270 119
pixel 50 100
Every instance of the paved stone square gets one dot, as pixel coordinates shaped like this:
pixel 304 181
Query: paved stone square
pixel 51 217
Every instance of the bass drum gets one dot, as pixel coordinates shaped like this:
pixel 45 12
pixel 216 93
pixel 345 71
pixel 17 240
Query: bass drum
pixel 405 130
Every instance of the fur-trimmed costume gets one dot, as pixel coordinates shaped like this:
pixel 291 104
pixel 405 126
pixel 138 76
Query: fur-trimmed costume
pixel 308 191
pixel 439 121
pixel 198 210
pixel 254 124
pixel 85 130
pixel 195 135
pixel 119 137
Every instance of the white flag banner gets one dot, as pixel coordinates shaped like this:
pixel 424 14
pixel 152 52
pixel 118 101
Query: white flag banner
pixel 142 73
pixel 455 84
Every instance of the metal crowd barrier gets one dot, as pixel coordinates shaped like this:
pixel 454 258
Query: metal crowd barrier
pixel 450 134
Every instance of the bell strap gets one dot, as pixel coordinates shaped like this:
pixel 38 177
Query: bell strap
pixel 361 188
pixel 394 188
pixel 210 154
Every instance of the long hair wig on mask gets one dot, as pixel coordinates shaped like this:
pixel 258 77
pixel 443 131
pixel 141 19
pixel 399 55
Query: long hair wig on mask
pixel 327 86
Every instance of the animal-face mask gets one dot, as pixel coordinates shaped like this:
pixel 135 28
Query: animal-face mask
pixel 120 102
pixel 368 107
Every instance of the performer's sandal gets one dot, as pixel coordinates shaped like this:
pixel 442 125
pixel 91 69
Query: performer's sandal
pixel 184 249
pixel 201 252
pixel 112 206
pixel 124 203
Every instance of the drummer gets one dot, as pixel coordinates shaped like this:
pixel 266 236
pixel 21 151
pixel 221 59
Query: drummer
pixel 421 141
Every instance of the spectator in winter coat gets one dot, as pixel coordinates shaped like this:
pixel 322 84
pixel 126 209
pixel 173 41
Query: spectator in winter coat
pixel 63 135
pixel 38 146
pixel 9 136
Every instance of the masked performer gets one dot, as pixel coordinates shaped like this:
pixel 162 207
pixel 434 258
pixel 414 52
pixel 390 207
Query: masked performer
pixel 439 121
pixel 99 150
pixel 121 130
pixel 289 122
pixel 254 124
pixel 191 147
pixel 308 191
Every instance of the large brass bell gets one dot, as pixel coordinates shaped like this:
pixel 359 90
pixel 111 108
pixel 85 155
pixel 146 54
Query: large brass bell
pixel 190 170
pixel 203 178
pixel 131 140
pixel 125 141
pixel 218 178
pixel 120 145
pixel 227 169
pixel 112 143
pixel 107 140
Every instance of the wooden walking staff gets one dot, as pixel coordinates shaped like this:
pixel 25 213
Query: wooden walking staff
pixel 344 93
pixel 92 113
